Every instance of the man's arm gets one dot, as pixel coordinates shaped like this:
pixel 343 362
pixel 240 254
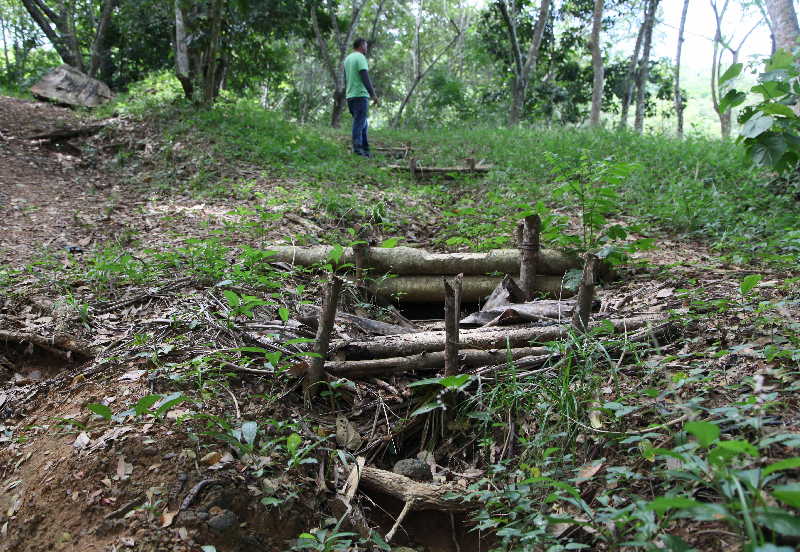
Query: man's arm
pixel 367 83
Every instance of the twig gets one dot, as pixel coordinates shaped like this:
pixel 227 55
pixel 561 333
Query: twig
pixel 235 402
pixel 194 491
pixel 316 371
pixel 403 513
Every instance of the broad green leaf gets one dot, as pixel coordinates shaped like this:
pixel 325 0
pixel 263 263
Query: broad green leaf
pixel 283 313
pixel 251 350
pixel 663 503
pixel 768 150
pixel 788 494
pixel 739 447
pixel 455 381
pixel 705 432
pixel 780 60
pixel 169 401
pixel 249 432
pixel 777 109
pixel 786 464
pixel 101 410
pixel 144 404
pixel 779 521
pixel 769 547
pixel 233 299
pixel 732 72
pixel 732 99
pixel 675 544
pixel 749 282
pixel 293 442
pixel 756 126
pixel 390 242
pixel 336 253
pixel 425 408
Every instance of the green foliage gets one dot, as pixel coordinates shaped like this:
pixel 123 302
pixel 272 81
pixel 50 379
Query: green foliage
pixel 770 126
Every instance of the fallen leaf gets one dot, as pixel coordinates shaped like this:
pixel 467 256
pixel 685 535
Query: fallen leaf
pixel 167 517
pixel 211 458
pixel 81 440
pixel 124 469
pixel 588 471
pixel 346 434
pixel 132 375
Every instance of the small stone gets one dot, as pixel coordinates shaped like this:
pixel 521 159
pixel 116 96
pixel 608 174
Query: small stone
pixel 149 451
pixel 223 521
pixel 414 469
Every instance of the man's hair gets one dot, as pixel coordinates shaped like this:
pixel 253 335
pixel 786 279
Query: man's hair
pixel 358 42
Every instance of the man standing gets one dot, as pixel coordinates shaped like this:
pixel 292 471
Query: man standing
pixel 359 89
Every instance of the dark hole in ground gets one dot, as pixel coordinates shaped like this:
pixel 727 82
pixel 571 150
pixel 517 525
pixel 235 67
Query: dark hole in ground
pixel 25 363
pixel 432 311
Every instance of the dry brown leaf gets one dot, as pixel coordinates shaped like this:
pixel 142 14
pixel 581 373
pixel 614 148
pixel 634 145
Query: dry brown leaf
pixel 124 469
pixel 167 517
pixel 346 434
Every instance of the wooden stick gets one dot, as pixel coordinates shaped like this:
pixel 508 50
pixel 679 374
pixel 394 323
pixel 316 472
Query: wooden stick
pixel 452 308
pixel 403 513
pixel 471 358
pixel 583 307
pixel 316 370
pixel 529 255
pixel 424 496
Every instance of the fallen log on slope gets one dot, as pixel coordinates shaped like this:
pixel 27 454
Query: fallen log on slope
pixel 423 496
pixel 470 358
pixel 484 339
pixel 429 289
pixel 412 261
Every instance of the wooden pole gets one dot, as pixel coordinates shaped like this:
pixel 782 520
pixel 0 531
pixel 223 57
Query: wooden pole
pixel 583 307
pixel 412 165
pixel 327 316
pixel 529 254
pixel 452 308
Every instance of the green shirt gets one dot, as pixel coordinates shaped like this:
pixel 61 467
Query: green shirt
pixel 353 64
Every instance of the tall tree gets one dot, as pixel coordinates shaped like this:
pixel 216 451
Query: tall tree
pixel 643 74
pixel 597 63
pixel 419 72
pixel 678 96
pixel 630 77
pixel 721 44
pixel 524 64
pixel 342 39
pixel 784 25
pixel 199 52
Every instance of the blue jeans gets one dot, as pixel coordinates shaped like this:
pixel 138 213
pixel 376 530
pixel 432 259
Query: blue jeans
pixel 358 109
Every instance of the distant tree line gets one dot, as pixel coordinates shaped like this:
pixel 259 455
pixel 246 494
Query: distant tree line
pixel 511 61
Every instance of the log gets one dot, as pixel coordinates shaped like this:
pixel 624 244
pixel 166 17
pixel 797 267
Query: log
pixel 471 358
pixel 423 496
pixel 536 310
pixel 428 289
pixel 529 255
pixel 68 133
pixel 67 85
pixel 419 171
pixel 494 338
pixel 413 261
pixel 452 308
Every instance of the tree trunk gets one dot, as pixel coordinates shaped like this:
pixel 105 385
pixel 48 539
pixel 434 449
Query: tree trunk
pixel 213 65
pixel 70 34
pixel 523 68
pixel 630 82
pixel 784 23
pixel 99 48
pixel 5 42
pixel 644 65
pixel 182 61
pixel 597 63
pixel 678 95
pixel 45 18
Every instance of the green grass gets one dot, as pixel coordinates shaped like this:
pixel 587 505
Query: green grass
pixel 700 187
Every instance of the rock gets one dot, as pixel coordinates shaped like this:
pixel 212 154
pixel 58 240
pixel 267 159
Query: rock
pixel 413 468
pixel 223 521
pixel 67 85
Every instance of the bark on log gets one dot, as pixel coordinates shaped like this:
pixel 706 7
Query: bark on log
pixel 529 255
pixel 494 338
pixel 424 496
pixel 316 370
pixel 583 307
pixel 471 358
pixel 413 261
pixel 537 310
pixel 425 289
pixel 452 308
pixel 68 133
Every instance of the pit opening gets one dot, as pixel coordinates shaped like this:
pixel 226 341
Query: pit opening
pixel 23 363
